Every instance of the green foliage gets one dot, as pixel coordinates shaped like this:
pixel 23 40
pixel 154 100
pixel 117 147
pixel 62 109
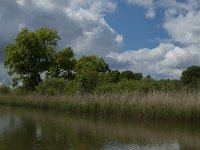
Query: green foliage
pixel 4 90
pixel 91 63
pixel 89 70
pixel 114 76
pixel 169 85
pixel 144 85
pixel 21 91
pixel 128 75
pixel 191 77
pixel 57 86
pixel 30 55
pixel 148 77
pixel 72 87
pixel 127 86
pixel 63 64
pixel 52 86
pixel 89 81
pixel 138 76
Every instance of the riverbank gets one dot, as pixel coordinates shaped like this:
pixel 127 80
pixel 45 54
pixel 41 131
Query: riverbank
pixel 155 105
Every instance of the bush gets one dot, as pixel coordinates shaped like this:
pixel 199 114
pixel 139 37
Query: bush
pixel 144 85
pixel 169 85
pixel 52 86
pixel 4 90
pixel 127 86
pixel 21 90
pixel 72 87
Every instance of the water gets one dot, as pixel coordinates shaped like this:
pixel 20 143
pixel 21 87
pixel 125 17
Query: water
pixel 23 129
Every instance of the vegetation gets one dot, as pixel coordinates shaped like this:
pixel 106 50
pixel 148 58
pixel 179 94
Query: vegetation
pixel 153 105
pixel 33 54
pixel 4 90
pixel 40 70
pixel 191 77
pixel 62 65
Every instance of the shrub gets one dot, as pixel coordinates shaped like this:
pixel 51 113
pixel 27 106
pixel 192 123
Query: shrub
pixel 72 87
pixel 52 86
pixel 21 90
pixel 4 90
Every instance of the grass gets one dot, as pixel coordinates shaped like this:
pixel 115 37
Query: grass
pixel 181 106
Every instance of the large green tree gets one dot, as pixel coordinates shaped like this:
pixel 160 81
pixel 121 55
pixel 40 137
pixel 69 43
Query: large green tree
pixel 63 64
pixel 191 76
pixel 30 55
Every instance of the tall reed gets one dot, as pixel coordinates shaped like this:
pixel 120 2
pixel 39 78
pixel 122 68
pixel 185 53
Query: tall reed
pixel 182 106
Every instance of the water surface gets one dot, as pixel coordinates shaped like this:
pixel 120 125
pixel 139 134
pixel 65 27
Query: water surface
pixel 26 129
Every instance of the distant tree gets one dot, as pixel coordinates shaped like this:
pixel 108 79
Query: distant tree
pixel 138 76
pixel 62 65
pixel 94 63
pixel 128 75
pixel 88 71
pixel 114 76
pixel 191 76
pixel 148 77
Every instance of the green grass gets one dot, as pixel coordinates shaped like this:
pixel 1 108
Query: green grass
pixel 181 106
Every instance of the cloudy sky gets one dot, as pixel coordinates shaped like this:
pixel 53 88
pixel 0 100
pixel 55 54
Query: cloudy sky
pixel 156 37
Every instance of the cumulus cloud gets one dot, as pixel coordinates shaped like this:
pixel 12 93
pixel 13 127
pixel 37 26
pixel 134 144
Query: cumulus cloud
pixel 166 60
pixel 80 23
pixel 82 26
pixel 170 58
pixel 184 29
pixel 148 4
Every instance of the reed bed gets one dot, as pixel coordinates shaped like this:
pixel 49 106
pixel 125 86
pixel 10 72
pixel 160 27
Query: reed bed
pixel 183 106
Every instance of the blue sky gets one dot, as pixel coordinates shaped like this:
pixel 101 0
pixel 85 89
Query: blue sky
pixel 137 30
pixel 156 37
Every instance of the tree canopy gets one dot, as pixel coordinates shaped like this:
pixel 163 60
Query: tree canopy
pixel 191 76
pixel 88 71
pixel 62 65
pixel 94 63
pixel 34 54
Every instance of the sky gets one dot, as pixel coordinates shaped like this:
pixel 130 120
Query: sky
pixel 156 37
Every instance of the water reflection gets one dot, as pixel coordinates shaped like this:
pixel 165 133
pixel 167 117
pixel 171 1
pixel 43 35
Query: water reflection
pixel 22 129
pixel 121 146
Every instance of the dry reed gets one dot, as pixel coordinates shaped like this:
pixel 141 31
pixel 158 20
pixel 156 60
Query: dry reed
pixel 182 106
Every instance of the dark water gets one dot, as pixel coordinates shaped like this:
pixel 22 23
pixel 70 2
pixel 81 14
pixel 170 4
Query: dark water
pixel 23 129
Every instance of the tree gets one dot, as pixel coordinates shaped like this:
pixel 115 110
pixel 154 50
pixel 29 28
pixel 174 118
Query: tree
pixel 148 77
pixel 191 76
pixel 138 76
pixel 128 75
pixel 30 55
pixel 63 64
pixel 94 63
pixel 114 76
pixel 88 71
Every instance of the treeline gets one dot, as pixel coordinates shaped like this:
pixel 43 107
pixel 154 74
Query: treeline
pixel 37 66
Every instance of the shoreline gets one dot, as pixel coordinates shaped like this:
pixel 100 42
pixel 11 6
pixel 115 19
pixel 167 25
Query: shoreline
pixel 152 106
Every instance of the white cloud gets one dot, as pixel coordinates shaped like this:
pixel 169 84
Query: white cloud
pixel 80 23
pixel 182 23
pixel 166 60
pixel 185 28
pixel 148 4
